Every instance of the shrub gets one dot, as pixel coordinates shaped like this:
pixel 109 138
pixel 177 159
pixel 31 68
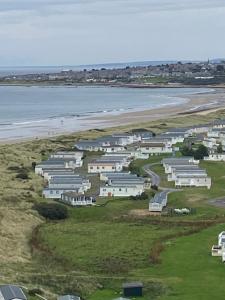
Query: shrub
pixel 22 175
pixel 201 152
pixel 156 250
pixel 220 148
pixel 134 169
pixel 33 165
pixel 52 211
pixel 35 291
pixel 154 187
pixel 187 151
pixel 143 196
pixel 14 168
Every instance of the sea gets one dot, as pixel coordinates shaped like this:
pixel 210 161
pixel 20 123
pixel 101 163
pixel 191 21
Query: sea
pixel 32 111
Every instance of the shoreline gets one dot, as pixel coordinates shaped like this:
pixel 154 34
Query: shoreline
pixel 115 85
pixel 197 103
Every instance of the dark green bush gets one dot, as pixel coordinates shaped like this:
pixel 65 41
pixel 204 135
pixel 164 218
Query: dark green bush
pixel 143 196
pixel 35 291
pixel 33 165
pixel 154 187
pixel 22 175
pixel 52 211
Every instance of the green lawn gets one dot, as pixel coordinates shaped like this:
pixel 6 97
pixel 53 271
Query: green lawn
pixel 105 243
pixel 190 270
pixel 108 233
pixel 101 247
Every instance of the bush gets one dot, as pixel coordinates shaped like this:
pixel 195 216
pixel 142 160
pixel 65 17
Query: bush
pixel 155 252
pixel 154 187
pixel 14 168
pixel 33 165
pixel 22 172
pixel 143 196
pixel 43 152
pixel 35 291
pixel 201 152
pixel 220 148
pixel 134 169
pixel 52 211
pixel 22 175
pixel 186 151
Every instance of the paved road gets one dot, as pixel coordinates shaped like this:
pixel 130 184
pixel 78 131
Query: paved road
pixel 218 202
pixel 155 178
pixel 162 195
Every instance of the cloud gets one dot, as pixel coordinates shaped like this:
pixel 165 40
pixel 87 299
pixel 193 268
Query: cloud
pixel 95 31
pixel 102 6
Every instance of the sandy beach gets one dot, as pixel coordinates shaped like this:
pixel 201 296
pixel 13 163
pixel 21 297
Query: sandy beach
pixel 201 103
pixel 197 104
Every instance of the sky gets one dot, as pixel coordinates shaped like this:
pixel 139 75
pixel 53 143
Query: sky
pixel 77 32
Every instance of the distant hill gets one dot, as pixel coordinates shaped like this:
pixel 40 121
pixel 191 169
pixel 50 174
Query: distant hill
pixel 20 70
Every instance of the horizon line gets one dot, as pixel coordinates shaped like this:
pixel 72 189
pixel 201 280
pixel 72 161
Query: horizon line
pixel 110 63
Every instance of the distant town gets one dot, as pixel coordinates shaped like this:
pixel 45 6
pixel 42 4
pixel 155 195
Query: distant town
pixel 168 74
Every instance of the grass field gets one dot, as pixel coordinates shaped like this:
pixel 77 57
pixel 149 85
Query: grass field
pixel 108 243
pixel 190 270
pixel 97 249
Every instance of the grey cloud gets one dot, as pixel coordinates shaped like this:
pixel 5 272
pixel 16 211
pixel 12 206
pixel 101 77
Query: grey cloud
pixel 95 31
pixel 118 5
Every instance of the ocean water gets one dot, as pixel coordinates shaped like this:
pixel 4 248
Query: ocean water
pixel 37 111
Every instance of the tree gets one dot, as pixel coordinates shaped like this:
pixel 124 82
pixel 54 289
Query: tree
pixel 134 169
pixel 220 148
pixel 52 211
pixel 201 152
pixel 187 151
